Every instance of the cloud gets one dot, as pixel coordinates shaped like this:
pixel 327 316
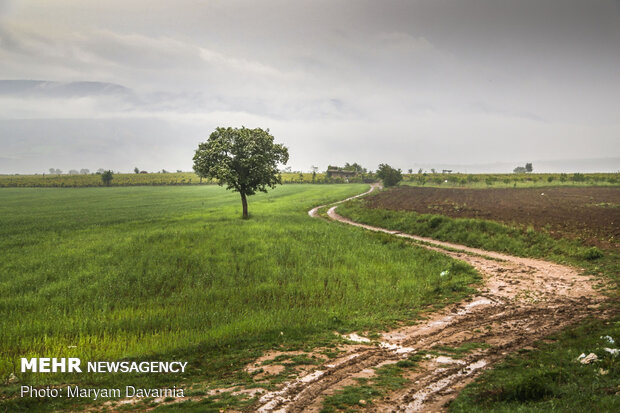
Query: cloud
pixel 5 7
pixel 404 42
pixel 392 82
pixel 37 99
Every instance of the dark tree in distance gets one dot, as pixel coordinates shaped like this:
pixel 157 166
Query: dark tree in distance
pixel 245 160
pixel 528 167
pixel 106 177
pixel 389 175
pixel 354 167
pixel 136 170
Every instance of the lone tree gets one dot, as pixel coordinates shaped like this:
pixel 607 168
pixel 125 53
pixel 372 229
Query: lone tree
pixel 106 177
pixel 245 160
pixel 389 175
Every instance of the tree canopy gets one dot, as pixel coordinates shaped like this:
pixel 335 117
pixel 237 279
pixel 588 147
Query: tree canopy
pixel 106 177
pixel 245 160
pixel 523 169
pixel 389 175
pixel 355 167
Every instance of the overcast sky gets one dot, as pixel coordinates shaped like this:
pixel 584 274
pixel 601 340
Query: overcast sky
pixel 117 84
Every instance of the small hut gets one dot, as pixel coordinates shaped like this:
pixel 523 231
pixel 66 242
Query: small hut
pixel 337 173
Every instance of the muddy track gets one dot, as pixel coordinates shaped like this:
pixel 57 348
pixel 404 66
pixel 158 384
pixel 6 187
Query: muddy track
pixel 521 301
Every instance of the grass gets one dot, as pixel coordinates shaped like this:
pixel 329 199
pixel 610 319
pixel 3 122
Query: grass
pixel 512 180
pixel 550 379
pixel 173 273
pixel 490 235
pixel 132 179
pixel 387 378
pixel 211 404
pixel 384 380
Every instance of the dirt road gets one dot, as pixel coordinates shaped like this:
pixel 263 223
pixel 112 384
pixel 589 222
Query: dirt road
pixel 522 301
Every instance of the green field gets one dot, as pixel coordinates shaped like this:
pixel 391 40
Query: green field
pixel 510 180
pixel 173 273
pixel 120 179
pixel 426 179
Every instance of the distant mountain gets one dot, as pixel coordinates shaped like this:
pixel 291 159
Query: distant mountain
pixel 44 88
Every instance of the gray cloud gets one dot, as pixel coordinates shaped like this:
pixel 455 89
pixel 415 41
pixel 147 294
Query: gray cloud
pixel 420 82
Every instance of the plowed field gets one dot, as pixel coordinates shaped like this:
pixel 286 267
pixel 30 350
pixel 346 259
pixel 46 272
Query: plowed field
pixel 589 213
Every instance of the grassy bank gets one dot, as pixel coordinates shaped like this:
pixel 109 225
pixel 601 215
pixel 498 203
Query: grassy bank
pixel 173 273
pixel 490 235
pixel 549 378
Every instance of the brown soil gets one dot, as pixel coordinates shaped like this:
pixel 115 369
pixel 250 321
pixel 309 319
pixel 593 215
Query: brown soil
pixel 589 213
pixel 522 301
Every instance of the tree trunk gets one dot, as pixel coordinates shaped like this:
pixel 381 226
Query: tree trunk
pixel 244 202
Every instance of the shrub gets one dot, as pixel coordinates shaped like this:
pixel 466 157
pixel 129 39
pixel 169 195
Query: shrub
pixel 389 175
pixel 435 221
pixel 578 177
pixel 592 254
pixel 107 177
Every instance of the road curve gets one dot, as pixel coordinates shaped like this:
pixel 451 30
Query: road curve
pixel 314 211
pixel 521 301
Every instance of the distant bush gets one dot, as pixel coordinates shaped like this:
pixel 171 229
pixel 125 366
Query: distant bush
pixel 578 177
pixel 389 175
pixel 106 177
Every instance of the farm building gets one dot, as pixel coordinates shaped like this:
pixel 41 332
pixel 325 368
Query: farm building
pixel 335 173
